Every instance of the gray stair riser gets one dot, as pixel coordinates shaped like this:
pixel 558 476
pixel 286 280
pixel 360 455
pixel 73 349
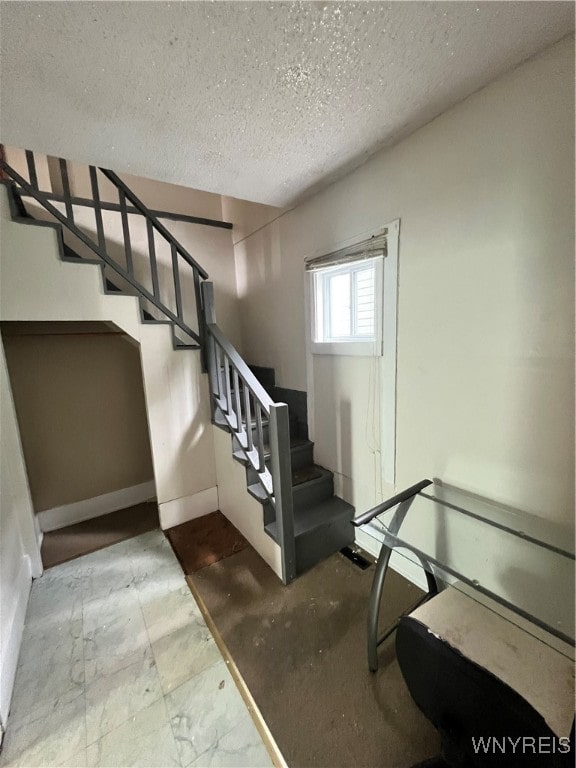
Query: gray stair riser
pixel 312 492
pixel 322 542
pixel 302 456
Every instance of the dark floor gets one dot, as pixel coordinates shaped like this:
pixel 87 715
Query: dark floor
pixel 97 533
pixel 302 652
pixel 205 540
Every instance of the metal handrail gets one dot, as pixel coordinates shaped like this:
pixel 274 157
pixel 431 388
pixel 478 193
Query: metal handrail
pixel 366 517
pixel 30 188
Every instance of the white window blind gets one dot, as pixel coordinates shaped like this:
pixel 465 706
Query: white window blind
pixel 366 249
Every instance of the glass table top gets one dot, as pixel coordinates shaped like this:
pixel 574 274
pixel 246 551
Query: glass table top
pixel 523 562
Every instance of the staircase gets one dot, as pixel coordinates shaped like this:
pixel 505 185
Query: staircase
pixel 299 510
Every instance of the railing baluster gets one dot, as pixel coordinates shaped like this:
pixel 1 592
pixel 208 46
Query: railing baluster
pixel 97 208
pixel 66 189
pixel 227 383
pixel 100 248
pixel 153 263
pixel 126 231
pixel 219 370
pixel 248 417
pixel 213 358
pixel 259 438
pixel 237 408
pixel 177 289
pixel 200 316
pixel 31 163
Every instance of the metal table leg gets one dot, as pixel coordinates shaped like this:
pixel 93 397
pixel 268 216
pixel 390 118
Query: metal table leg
pixel 375 600
pixel 374 607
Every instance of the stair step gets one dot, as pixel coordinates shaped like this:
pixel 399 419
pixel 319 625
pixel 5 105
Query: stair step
pixel 313 491
pixel 310 486
pixel 179 347
pixel 70 255
pixel 110 287
pixel 258 492
pixel 321 514
pixel 325 529
pixel 266 376
pixel 301 452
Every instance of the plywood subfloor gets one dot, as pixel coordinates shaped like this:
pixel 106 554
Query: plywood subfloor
pixel 204 541
pixel 301 650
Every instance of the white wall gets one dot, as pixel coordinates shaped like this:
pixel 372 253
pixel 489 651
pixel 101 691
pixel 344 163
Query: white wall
pixel 36 285
pixel 485 384
pixel 239 506
pixel 19 551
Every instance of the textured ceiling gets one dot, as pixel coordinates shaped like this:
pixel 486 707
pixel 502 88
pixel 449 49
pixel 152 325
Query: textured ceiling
pixel 265 101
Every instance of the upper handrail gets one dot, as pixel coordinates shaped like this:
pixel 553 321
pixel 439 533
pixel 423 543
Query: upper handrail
pixel 241 367
pixel 145 211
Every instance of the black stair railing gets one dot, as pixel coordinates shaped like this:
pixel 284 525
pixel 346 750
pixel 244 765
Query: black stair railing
pixel 133 274
pixel 248 412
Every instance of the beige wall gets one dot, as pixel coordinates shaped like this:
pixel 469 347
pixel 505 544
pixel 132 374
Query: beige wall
pixel 211 247
pixel 485 372
pixel 80 406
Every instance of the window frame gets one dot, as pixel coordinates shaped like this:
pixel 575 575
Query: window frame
pixel 354 345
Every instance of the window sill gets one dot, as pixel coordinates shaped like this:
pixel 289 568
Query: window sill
pixel 347 348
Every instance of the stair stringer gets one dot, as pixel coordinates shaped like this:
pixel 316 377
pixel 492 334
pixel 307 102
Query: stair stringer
pixel 36 285
pixel 238 505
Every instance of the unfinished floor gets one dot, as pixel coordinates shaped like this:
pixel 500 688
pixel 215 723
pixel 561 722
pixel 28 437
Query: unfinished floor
pixel 118 668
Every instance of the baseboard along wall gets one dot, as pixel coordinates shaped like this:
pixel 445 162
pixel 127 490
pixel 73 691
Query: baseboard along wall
pixel 78 511
pixel 178 511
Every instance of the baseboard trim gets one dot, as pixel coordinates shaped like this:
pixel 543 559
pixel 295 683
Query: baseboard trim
pixel 12 629
pixel 79 511
pixel 187 508
pixel 401 562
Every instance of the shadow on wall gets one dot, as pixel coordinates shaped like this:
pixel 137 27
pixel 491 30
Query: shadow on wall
pixel 344 484
pixel 112 223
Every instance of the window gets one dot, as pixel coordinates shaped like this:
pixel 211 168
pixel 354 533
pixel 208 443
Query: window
pixel 352 300
pixel 346 292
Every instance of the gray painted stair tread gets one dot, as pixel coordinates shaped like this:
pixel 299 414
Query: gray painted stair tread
pixel 315 517
pixel 258 492
pixel 306 475
pixel 296 444
pixel 301 479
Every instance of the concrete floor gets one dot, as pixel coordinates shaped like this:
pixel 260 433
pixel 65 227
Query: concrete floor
pixel 117 668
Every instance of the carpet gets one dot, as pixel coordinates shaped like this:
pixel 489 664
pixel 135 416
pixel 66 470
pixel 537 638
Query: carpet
pixel 97 533
pixel 301 650
pixel 204 541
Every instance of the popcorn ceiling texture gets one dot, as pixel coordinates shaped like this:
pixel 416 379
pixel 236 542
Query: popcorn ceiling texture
pixel 265 101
